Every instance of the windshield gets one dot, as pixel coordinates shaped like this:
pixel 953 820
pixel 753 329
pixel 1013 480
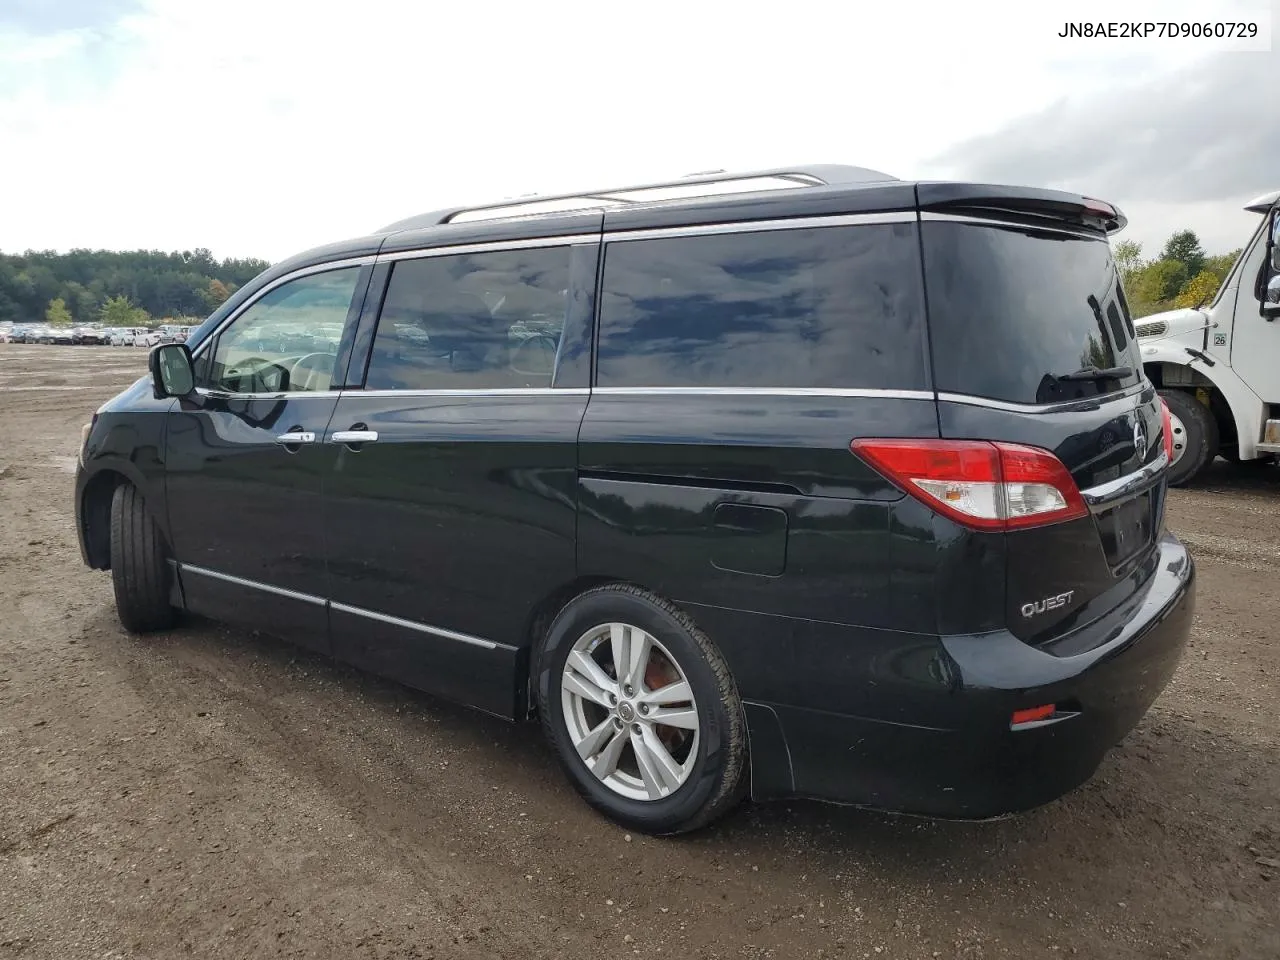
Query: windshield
pixel 1025 315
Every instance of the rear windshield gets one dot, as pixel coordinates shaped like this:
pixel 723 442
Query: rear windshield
pixel 1014 310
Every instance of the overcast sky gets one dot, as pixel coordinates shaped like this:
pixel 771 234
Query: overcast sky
pixel 261 127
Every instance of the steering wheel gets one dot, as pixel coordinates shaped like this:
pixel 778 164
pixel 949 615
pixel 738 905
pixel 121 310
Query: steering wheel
pixel 535 356
pixel 253 368
pixel 310 375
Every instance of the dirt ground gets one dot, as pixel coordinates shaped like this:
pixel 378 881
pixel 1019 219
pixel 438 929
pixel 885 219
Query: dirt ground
pixel 209 793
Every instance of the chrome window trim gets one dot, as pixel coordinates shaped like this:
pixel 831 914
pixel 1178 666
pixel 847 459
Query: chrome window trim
pixel 251 584
pixel 1066 406
pixel 870 393
pixel 420 627
pixel 489 246
pixel 1084 233
pixel 462 392
pixel 279 281
pixel 1107 493
pixel 287 394
pixel 764 226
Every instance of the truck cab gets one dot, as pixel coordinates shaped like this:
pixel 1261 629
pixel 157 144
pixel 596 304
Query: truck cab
pixel 1218 366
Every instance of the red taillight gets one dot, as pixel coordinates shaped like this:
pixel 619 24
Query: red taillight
pixel 1167 428
pixel 1033 714
pixel 981 484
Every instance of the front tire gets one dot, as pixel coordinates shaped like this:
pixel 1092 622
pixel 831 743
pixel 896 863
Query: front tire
pixel 642 711
pixel 1195 437
pixel 139 570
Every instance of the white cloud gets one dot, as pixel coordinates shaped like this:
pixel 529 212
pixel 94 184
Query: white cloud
pixel 260 127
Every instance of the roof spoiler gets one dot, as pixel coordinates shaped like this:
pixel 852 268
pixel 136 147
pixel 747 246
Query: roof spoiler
pixel 1023 201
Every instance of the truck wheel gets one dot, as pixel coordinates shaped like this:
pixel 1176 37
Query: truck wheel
pixel 642 711
pixel 1195 437
pixel 139 571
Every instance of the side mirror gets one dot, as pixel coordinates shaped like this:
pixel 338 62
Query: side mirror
pixel 171 371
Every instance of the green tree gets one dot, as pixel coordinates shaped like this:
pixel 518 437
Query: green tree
pixel 1199 290
pixel 1128 256
pixel 1184 247
pixel 1221 265
pixel 120 312
pixel 57 314
pixel 161 283
pixel 1159 281
pixel 216 293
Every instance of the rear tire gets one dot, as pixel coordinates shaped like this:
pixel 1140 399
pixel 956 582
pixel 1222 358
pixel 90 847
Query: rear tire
pixel 1195 435
pixel 139 569
pixel 701 767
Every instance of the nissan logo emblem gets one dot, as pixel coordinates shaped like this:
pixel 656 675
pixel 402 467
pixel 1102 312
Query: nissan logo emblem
pixel 1140 439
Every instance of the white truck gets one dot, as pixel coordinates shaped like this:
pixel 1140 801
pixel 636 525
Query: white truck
pixel 1218 366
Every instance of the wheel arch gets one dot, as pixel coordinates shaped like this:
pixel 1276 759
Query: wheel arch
pixel 1238 411
pixel 96 489
pixel 95 515
pixel 538 623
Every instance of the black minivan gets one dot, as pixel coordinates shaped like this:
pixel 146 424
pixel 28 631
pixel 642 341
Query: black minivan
pixel 803 482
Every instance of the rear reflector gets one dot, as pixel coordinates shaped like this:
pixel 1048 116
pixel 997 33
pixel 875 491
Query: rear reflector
pixel 1033 714
pixel 980 484
pixel 1167 427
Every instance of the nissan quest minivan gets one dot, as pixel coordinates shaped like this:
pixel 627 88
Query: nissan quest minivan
pixel 805 482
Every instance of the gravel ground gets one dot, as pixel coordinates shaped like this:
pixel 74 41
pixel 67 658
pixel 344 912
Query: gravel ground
pixel 210 793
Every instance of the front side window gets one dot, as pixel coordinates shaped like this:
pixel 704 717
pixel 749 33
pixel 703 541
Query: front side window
pixel 823 307
pixel 287 341
pixel 474 321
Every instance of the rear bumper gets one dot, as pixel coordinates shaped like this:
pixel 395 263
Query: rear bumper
pixel 950 751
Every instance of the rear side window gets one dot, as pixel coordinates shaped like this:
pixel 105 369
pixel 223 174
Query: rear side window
pixel 1013 311
pixel 827 307
pixel 478 321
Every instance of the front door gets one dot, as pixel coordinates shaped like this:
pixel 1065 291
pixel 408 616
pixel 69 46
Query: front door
pixel 450 507
pixel 245 461
pixel 1255 341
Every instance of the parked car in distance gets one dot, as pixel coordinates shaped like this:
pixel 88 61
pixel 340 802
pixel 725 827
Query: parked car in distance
pixel 92 336
pixel 147 338
pixel 759 483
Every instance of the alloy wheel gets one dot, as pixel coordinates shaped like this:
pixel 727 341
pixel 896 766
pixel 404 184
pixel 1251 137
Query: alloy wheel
pixel 630 711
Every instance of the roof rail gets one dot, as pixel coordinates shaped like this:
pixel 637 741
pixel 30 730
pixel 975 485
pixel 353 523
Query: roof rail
pixel 690 186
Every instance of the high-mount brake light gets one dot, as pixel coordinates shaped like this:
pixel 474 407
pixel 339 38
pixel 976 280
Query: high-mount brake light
pixel 978 483
pixel 1099 207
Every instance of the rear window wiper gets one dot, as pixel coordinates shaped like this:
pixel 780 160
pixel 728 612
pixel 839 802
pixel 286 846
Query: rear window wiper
pixel 1097 373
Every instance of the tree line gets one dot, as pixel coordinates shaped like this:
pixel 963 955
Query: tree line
pixel 1182 276
pixel 145 287
pixel 135 288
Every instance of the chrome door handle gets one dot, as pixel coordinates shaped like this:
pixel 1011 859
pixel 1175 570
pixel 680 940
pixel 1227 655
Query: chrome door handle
pixel 353 436
pixel 296 436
